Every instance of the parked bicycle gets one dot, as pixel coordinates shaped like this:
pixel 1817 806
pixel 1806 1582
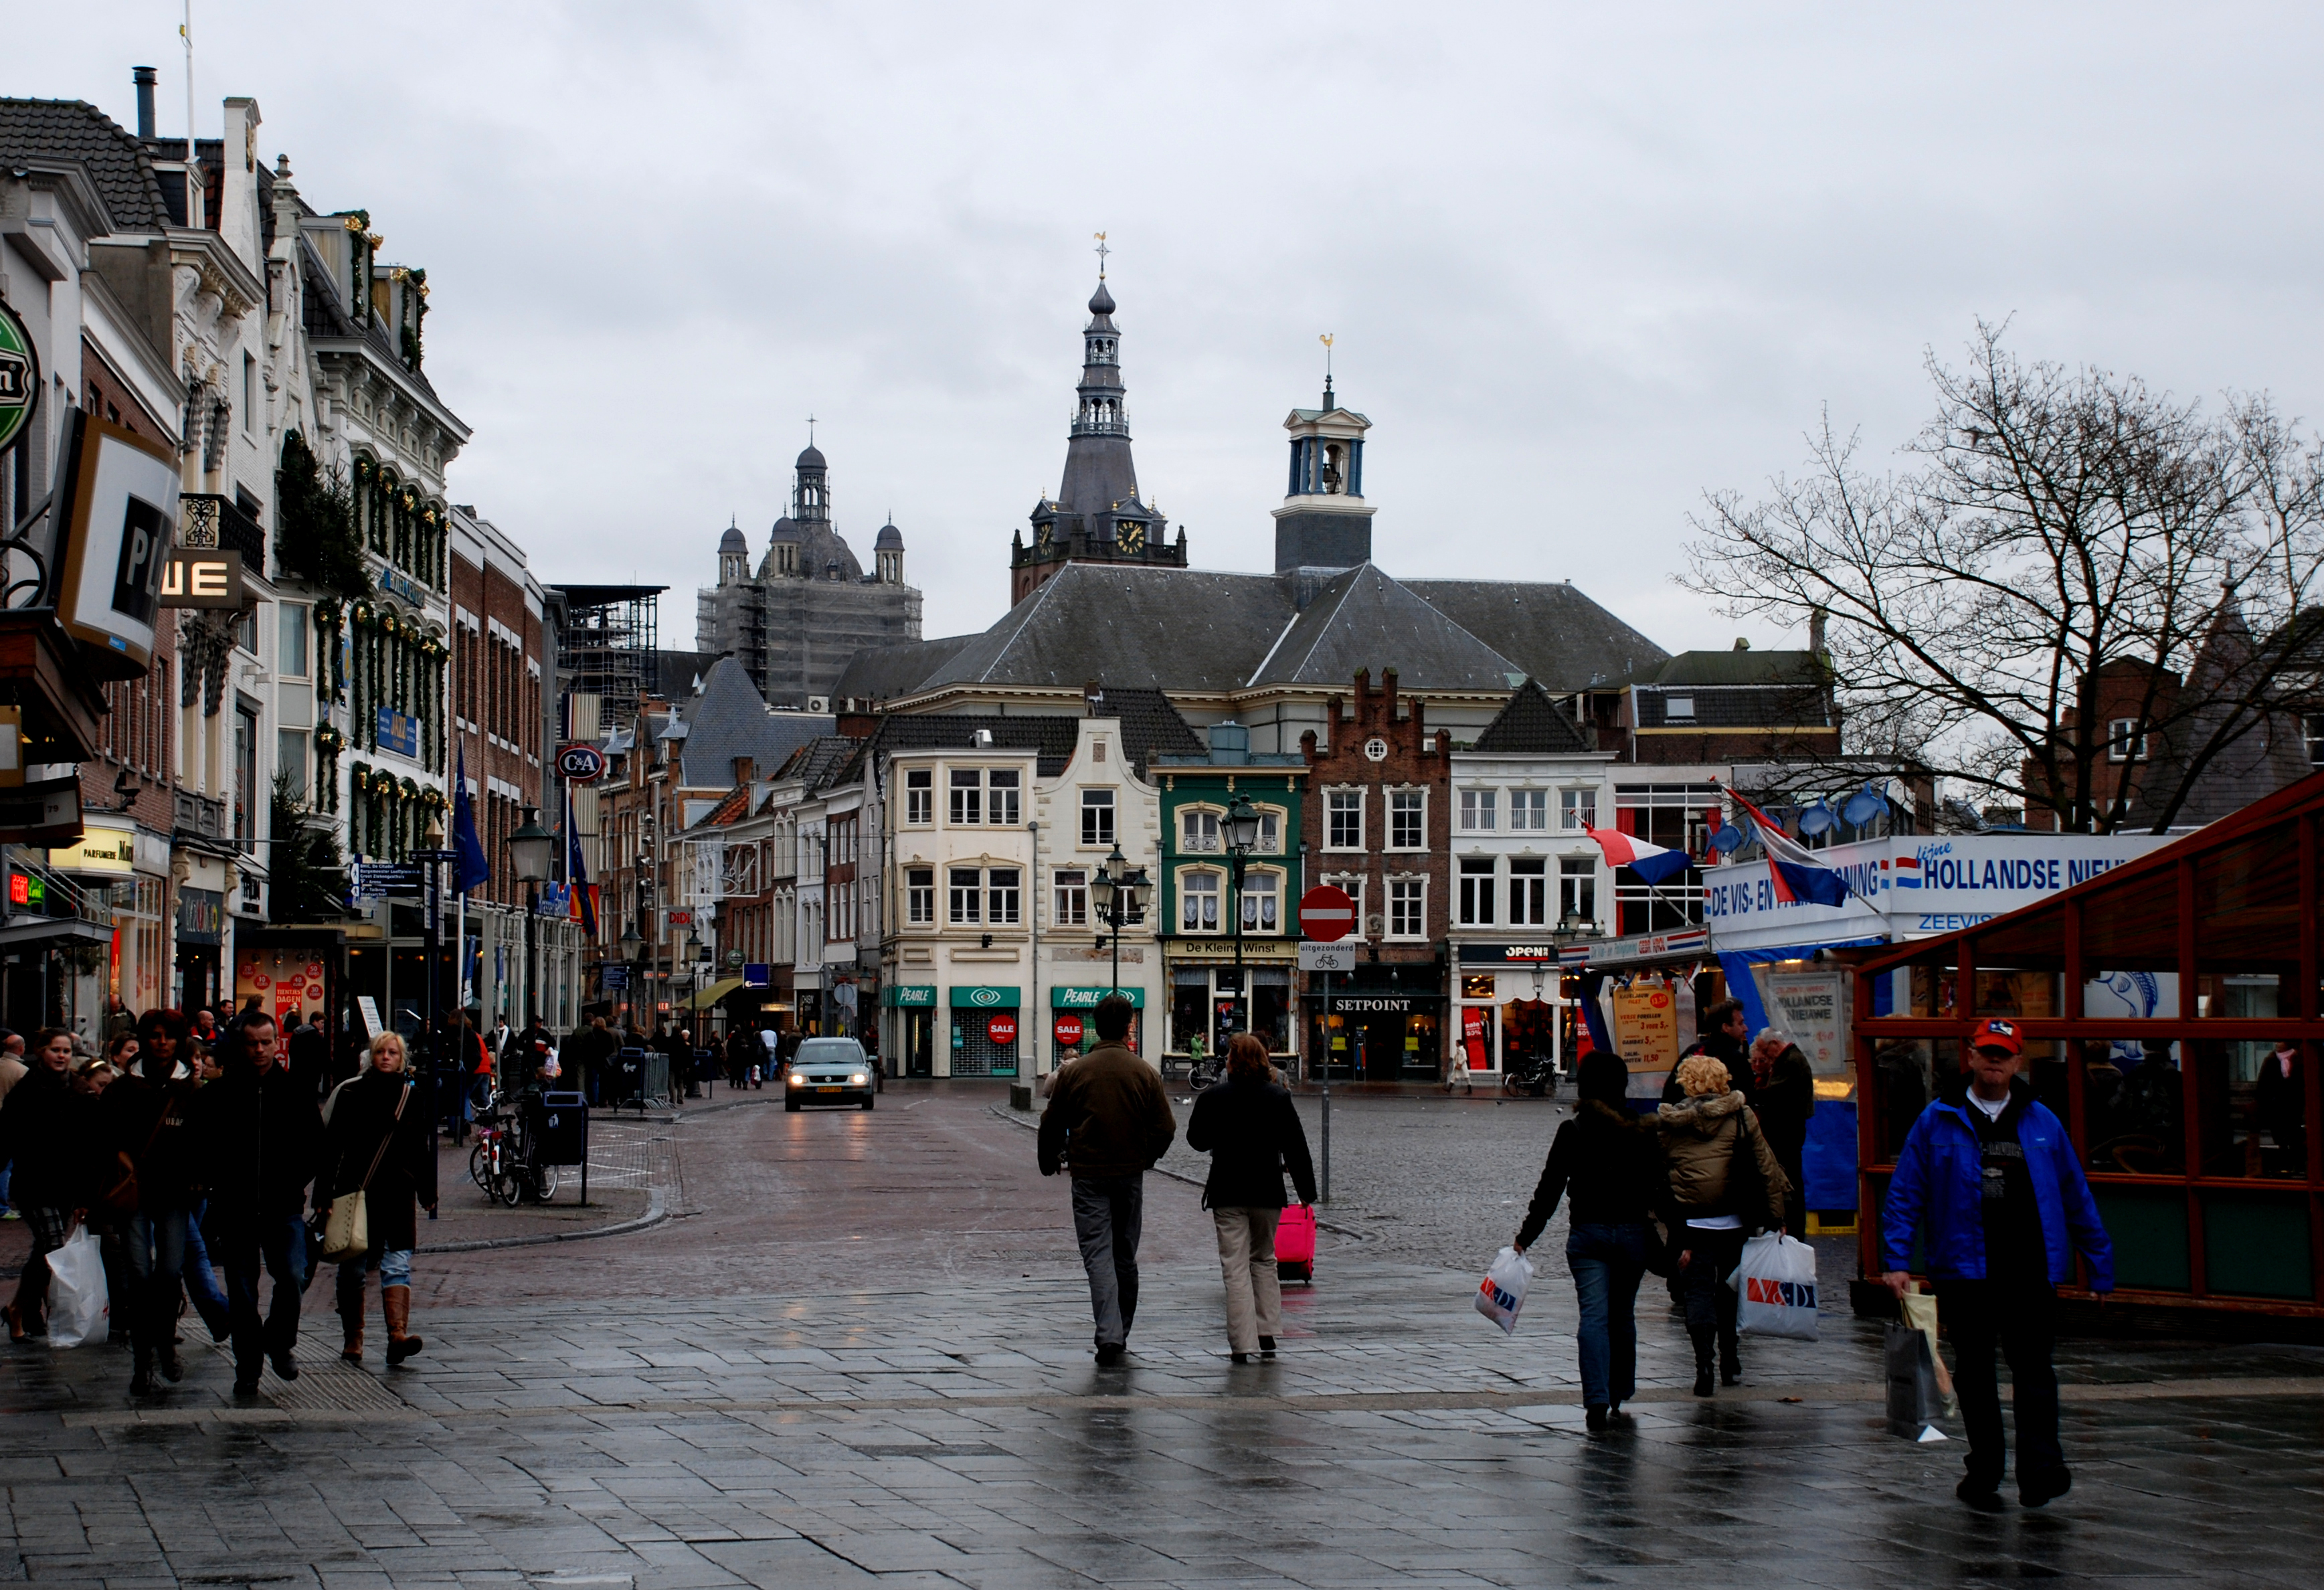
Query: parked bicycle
pixel 1533 1073
pixel 505 1162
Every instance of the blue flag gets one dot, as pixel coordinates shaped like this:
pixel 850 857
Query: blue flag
pixel 576 871
pixel 471 869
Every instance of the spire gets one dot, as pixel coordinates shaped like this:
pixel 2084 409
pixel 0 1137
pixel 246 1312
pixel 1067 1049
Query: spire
pixel 1099 472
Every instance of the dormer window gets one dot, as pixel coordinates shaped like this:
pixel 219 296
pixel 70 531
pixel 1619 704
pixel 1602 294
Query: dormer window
pixel 1678 708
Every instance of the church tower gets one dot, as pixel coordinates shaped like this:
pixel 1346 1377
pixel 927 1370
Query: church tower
pixel 1324 521
pixel 1096 516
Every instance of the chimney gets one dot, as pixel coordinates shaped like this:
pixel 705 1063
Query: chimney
pixel 1815 629
pixel 746 771
pixel 144 77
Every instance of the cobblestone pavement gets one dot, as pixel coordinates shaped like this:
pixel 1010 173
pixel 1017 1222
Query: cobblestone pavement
pixel 924 1424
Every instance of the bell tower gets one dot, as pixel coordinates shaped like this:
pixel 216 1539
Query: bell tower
pixel 1324 521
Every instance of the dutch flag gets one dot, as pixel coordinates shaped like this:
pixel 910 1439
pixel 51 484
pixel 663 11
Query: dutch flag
pixel 1908 872
pixel 1797 876
pixel 1653 862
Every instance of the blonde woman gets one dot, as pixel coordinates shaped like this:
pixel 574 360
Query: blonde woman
pixel 376 1139
pixel 1726 1184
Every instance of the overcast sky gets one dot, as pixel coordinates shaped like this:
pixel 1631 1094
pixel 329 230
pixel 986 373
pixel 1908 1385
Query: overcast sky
pixel 1582 266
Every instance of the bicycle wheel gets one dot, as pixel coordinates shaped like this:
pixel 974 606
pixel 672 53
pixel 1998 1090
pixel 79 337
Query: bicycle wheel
pixel 508 1186
pixel 545 1183
pixel 477 1172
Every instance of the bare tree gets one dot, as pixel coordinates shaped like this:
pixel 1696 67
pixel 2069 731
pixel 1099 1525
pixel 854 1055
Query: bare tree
pixel 2059 542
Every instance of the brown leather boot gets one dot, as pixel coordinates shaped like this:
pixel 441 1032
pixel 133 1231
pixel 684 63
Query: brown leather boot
pixel 351 1334
pixel 395 1302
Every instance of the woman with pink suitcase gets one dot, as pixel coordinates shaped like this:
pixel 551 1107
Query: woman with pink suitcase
pixel 1249 1127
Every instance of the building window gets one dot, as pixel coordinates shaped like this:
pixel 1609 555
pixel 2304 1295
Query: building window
pixel 1347 819
pixel 290 761
pixel 249 395
pixel 1072 897
pixel 1529 809
pixel 1352 885
pixel 1407 819
pixel 1528 893
pixel 1477 810
pixel 291 654
pixel 1097 817
pixel 1001 896
pixel 967 896
pixel 1270 831
pixel 1198 900
pixel 1577 808
pixel 2123 742
pixel 1577 886
pixel 967 796
pixel 245 777
pixel 1002 791
pixel 1408 908
pixel 920 896
pixel 920 796
pixel 1477 892
pixel 1678 708
pixel 1262 893
pixel 1198 832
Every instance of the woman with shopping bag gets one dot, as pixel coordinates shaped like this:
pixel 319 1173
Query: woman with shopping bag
pixel 150 1177
pixel 378 1168
pixel 1726 1184
pixel 45 1129
pixel 1608 1164
pixel 1249 1127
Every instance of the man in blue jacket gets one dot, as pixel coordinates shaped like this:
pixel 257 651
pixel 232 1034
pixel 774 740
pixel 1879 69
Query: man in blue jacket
pixel 1990 1182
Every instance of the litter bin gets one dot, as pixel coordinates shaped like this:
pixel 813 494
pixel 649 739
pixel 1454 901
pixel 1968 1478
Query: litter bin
pixel 629 1077
pixel 560 1128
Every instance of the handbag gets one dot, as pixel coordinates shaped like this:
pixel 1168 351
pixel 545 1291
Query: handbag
pixel 346 1229
pixel 124 1195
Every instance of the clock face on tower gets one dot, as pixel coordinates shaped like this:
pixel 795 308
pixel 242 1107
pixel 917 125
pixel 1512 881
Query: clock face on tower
pixel 1046 535
pixel 1133 539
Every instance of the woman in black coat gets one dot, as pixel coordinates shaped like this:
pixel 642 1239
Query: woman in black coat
pixel 47 1129
pixel 1248 1125
pixel 376 1139
pixel 143 1116
pixel 1608 1164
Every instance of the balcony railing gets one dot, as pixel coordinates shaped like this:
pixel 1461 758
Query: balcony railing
pixel 212 520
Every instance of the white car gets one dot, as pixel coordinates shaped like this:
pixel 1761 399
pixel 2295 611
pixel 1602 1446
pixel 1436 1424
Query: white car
pixel 831 1071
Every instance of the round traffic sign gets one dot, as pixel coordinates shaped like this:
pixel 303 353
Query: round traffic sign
pixel 1002 1029
pixel 1325 914
pixel 580 764
pixel 1069 1029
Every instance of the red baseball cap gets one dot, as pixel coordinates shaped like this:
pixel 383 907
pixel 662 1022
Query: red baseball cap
pixel 1997 1033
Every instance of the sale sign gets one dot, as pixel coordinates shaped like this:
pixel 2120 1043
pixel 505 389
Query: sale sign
pixel 1069 1029
pixel 1001 1030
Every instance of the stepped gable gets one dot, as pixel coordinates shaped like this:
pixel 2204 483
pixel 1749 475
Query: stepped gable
pixel 1550 631
pixel 1165 628
pixel 1365 619
pixel 730 719
pixel 1532 724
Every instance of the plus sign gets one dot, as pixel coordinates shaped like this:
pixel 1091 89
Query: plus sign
pixel 1102 253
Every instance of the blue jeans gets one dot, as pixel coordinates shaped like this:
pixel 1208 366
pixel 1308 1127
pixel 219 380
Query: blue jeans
pixel 1106 1218
pixel 156 1248
pixel 1607 1261
pixel 201 1275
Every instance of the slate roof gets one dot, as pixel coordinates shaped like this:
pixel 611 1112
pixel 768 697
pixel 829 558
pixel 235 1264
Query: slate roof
pixel 1050 737
pixel 677 671
pixel 1364 619
pixel 729 720
pixel 2262 753
pixel 75 130
pixel 816 761
pixel 1532 724
pixel 1150 726
pixel 880 673
pixel 1550 631
pixel 1800 669
pixel 1737 689
pixel 1179 629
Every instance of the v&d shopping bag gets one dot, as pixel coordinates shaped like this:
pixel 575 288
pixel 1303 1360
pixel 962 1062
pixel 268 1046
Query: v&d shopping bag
pixel 1777 1279
pixel 1504 1288
pixel 79 1313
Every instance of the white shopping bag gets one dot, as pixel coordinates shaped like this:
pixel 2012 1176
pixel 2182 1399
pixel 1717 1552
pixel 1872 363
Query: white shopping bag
pixel 1778 1280
pixel 1504 1288
pixel 78 1305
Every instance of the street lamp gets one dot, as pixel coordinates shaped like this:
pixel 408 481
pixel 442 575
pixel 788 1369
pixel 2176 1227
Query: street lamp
pixel 1572 928
pixel 1118 895
pixel 1241 838
pixel 430 855
pixel 531 849
pixel 630 947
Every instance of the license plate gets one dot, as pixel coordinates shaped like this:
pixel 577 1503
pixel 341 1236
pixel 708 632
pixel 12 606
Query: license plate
pixel 833 1089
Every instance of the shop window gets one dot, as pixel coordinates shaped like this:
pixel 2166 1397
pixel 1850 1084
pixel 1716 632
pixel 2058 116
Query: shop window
pixel 1198 832
pixel 1408 908
pixel 920 796
pixel 1190 1009
pixel 1000 791
pixel 920 896
pixel 1477 892
pixel 1476 812
pixel 967 896
pixel 967 796
pixel 1072 897
pixel 1529 809
pixel 1097 817
pixel 1407 819
pixel 1577 888
pixel 1346 828
pixel 1271 1006
pixel 1577 808
pixel 1198 901
pixel 1528 892
pixel 2134 1106
pixel 1262 895
pixel 1001 896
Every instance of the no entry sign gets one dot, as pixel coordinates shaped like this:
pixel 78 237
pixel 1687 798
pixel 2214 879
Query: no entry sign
pixel 1325 914
pixel 1002 1029
pixel 1069 1028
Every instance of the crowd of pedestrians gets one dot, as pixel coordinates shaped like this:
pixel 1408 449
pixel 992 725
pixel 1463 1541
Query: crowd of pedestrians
pixel 202 1153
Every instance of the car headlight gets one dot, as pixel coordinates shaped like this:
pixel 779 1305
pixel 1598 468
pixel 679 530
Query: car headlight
pixel 859 1079
pixel 797 1079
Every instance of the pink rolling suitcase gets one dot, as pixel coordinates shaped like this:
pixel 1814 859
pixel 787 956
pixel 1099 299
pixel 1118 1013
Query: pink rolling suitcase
pixel 1295 1244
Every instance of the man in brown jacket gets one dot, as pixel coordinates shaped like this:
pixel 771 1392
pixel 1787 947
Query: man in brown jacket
pixel 1107 1121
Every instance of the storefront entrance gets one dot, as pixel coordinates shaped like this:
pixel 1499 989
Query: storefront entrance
pixel 986 1037
pixel 920 1043
pixel 1379 1038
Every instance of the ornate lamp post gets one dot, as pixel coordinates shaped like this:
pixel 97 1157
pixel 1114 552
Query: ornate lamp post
pixel 532 849
pixel 1119 897
pixel 1242 837
pixel 632 947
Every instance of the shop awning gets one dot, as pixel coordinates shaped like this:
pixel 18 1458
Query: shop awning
pixel 711 996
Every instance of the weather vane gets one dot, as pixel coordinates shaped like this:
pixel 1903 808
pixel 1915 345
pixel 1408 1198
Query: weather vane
pixel 1101 252
pixel 810 430
pixel 1325 338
